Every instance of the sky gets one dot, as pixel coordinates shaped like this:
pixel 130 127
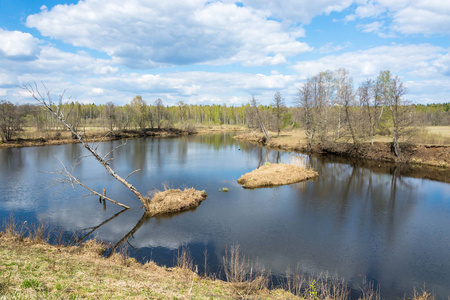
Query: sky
pixel 218 52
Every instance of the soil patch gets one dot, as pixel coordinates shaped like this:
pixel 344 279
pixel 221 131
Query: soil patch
pixel 276 174
pixel 174 200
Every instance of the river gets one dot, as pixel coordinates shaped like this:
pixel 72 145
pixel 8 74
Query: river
pixel 357 220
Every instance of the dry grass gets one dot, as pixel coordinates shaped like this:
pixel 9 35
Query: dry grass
pixel 430 146
pixel 271 175
pixel 173 201
pixel 433 135
pixel 320 287
pixel 206 129
pixel 245 276
pixel 33 269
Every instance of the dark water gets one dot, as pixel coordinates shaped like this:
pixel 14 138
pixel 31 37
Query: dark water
pixel 355 220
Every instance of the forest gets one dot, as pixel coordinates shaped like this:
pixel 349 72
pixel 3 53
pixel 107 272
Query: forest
pixel 327 106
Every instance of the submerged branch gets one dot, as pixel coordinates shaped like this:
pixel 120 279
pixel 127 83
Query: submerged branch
pixel 74 180
pixel 46 102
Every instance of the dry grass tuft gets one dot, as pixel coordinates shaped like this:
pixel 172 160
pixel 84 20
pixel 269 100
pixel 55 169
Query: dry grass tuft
pixel 245 275
pixel 271 175
pixel 323 286
pixel 174 200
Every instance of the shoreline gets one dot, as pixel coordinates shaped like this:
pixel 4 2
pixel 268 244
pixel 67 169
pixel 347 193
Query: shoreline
pixel 426 155
pixel 30 267
pixel 119 135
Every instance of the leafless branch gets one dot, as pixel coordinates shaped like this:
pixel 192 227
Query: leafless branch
pixel 137 170
pixel 72 180
pixel 46 102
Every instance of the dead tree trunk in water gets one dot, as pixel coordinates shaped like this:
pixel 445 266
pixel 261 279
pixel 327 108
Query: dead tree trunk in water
pixel 45 101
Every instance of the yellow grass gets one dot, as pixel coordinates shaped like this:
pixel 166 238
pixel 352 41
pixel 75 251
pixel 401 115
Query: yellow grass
pixel 174 200
pixel 271 175
pixel 32 269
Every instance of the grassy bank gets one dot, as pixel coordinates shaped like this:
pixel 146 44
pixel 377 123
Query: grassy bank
pixel 437 155
pixel 30 268
pixel 30 137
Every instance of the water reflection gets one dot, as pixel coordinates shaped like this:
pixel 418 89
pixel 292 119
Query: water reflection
pixel 357 219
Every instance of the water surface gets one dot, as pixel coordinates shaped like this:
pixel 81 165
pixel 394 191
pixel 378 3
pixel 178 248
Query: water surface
pixel 355 220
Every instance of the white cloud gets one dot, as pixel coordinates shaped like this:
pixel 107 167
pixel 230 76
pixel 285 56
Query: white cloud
pixel 428 17
pixel 331 47
pixel 17 45
pixel 416 64
pixel 298 11
pixel 149 33
pixel 419 62
pixel 372 27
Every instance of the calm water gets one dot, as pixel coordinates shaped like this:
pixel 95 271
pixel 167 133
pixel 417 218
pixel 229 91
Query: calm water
pixel 354 220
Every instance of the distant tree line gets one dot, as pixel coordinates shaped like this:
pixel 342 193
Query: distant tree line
pixel 328 107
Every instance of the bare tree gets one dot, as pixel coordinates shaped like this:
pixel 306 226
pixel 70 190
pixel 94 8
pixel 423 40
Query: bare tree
pixel 9 120
pixel 139 112
pixel 313 97
pixel 45 100
pixel 159 112
pixel 278 107
pixel 111 115
pixel 305 99
pixel 400 112
pixel 347 99
pixel 254 104
pixel 391 91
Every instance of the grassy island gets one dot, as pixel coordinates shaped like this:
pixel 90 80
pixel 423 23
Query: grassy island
pixel 270 175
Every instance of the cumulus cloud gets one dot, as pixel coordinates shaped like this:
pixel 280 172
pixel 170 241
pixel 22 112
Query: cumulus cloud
pixel 192 87
pixel 16 45
pixel 150 33
pixel 21 56
pixel 420 61
pixel 408 17
pixel 298 11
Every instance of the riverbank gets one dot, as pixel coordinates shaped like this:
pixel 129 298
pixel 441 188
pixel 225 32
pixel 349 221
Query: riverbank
pixel 30 268
pixel 96 134
pixel 430 155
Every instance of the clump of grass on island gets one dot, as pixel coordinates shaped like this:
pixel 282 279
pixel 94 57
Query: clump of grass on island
pixel 174 201
pixel 270 175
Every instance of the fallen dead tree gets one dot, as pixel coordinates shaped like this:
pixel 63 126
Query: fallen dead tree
pixel 153 207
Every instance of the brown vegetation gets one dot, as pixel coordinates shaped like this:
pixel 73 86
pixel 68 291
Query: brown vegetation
pixel 173 201
pixel 271 175
pixel 30 268
pixel 92 134
pixel 432 155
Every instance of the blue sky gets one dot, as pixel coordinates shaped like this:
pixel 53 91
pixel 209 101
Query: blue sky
pixel 206 52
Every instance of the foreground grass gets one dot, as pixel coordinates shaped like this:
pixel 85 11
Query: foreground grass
pixel 30 268
pixel 33 269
